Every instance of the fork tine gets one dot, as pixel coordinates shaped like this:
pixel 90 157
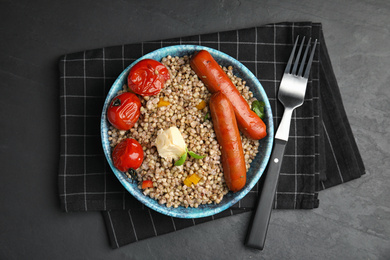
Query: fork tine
pixel 288 67
pixel 294 71
pixel 310 60
pixel 304 59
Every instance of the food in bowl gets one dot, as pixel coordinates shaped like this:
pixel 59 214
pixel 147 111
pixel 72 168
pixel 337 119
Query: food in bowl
pixel 183 104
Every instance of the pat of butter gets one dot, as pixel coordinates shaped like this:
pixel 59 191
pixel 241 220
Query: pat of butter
pixel 170 143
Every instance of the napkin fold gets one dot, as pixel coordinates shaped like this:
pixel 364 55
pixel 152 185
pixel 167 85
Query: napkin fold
pixel 321 151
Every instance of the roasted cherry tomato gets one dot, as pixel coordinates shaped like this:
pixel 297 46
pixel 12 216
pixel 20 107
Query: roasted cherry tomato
pixel 124 111
pixel 128 154
pixel 147 184
pixel 147 77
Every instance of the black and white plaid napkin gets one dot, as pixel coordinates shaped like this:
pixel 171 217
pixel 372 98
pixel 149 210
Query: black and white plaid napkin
pixel 321 152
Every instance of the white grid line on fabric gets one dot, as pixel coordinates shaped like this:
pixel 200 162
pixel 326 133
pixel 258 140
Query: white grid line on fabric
pixel 86 77
pixel 295 121
pixel 242 61
pixel 92 96
pixel 300 117
pixel 99 59
pixel 300 155
pixel 132 225
pixel 267 62
pixel 298 193
pixel 223 42
pixel 113 229
pixel 125 59
pixel 296 173
pixel 291 192
pixel 237 41
pixel 85 131
pixel 79 175
pixel 65 132
pixel 105 165
pixel 295 162
pixel 151 219
pixel 279 80
pixel 256 43
pixel 90 193
pixel 305 100
pixel 302 136
pixel 288 26
pixel 276 94
pixel 309 99
pixel 333 153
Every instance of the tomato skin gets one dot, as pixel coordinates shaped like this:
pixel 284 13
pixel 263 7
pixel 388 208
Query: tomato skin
pixel 124 111
pixel 147 77
pixel 128 154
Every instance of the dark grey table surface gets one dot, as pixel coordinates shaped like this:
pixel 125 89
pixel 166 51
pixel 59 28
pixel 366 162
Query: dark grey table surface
pixel 353 220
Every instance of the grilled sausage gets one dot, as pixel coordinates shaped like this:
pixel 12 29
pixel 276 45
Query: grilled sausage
pixel 228 136
pixel 215 79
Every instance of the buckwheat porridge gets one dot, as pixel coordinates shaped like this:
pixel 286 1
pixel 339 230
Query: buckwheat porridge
pixel 183 103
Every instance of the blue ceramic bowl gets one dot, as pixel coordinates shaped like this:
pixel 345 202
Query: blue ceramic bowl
pixel 258 165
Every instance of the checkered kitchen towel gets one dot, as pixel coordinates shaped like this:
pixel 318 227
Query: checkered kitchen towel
pixel 321 152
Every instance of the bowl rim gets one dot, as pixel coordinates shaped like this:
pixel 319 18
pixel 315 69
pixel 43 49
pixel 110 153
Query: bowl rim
pixel 146 200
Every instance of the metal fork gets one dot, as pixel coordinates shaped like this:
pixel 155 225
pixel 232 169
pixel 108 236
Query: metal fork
pixel 291 95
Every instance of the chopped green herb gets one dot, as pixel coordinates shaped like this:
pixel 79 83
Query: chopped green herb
pixel 196 156
pixel 181 160
pixel 258 108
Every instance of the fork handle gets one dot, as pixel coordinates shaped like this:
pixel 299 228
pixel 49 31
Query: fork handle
pixel 258 229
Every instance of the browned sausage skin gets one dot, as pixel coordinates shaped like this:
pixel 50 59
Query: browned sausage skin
pixel 215 79
pixel 228 136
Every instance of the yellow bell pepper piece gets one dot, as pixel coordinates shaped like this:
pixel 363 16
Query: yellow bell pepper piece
pixel 194 178
pixel 201 105
pixel 187 182
pixel 163 103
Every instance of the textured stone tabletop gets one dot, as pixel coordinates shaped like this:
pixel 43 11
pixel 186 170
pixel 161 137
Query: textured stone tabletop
pixel 353 220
